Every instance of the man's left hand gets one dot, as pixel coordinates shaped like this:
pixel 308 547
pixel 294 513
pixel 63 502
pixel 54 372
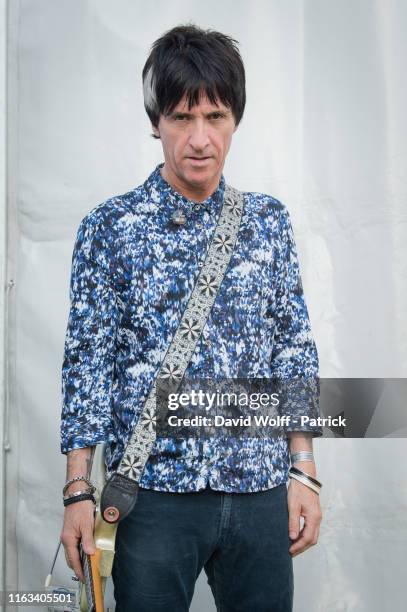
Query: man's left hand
pixel 303 501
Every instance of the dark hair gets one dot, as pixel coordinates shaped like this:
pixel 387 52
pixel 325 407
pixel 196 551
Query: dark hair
pixel 187 60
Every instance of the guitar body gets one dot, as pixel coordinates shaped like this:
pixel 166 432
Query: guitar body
pixel 98 567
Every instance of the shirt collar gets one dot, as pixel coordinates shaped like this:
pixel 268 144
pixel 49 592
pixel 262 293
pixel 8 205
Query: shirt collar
pixel 162 192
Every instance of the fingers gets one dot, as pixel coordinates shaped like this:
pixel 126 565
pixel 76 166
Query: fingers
pixel 307 537
pixel 302 502
pixel 294 521
pixel 88 543
pixel 73 559
pixel 78 527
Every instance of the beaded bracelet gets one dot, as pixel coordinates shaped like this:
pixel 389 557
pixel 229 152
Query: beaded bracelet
pixel 76 479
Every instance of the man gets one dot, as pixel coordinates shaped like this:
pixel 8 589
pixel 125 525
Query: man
pixel 220 504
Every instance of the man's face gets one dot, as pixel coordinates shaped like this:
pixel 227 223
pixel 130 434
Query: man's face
pixel 195 144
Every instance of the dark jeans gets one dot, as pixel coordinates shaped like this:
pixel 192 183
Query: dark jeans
pixel 240 539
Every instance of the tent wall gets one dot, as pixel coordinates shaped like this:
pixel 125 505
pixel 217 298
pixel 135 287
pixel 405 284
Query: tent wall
pixel 324 131
pixel 3 250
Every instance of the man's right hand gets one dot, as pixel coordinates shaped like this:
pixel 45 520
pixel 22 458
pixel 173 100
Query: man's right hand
pixel 78 527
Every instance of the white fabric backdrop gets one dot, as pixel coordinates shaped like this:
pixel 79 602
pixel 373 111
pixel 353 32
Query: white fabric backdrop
pixel 324 131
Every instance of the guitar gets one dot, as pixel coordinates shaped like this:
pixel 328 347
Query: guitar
pixel 97 567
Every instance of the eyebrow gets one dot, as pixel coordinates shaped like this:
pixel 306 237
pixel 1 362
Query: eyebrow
pixel 214 112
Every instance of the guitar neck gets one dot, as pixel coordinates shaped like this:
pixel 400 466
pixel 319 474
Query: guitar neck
pixel 89 584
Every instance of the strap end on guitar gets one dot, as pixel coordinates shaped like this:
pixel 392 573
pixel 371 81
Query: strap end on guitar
pixel 118 498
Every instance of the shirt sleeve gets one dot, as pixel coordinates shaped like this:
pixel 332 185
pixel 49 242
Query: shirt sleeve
pixel 294 357
pixel 88 361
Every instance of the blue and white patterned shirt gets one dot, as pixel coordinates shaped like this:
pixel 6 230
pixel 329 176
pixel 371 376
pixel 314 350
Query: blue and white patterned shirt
pixel 133 271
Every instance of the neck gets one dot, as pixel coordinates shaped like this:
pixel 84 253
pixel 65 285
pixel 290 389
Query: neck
pixel 191 192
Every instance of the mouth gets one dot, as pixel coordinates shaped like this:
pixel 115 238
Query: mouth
pixel 199 161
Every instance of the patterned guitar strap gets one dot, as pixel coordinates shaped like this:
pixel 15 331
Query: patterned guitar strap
pixel 120 491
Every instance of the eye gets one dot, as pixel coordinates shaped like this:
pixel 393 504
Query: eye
pixel 180 117
pixel 216 116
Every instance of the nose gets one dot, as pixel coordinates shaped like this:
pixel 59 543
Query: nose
pixel 199 137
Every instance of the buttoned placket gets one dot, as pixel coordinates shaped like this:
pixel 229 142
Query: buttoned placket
pixel 201 222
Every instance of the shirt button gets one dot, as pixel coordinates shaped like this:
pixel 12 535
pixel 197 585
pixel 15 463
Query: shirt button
pixel 199 225
pixel 200 264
